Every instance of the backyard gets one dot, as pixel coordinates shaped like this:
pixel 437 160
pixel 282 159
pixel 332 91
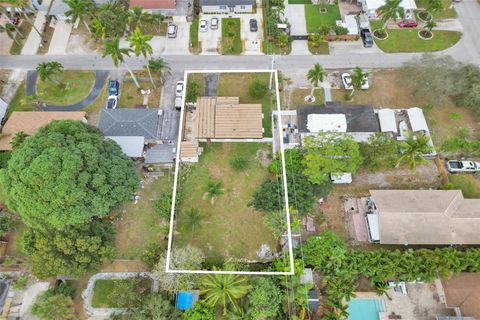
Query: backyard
pixel 118 293
pixel 231 40
pixel 315 18
pixel 227 227
pixel 407 40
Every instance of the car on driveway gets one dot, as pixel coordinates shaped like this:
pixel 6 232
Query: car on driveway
pixel 112 102
pixel 407 23
pixel 172 30
pixel 113 88
pixel 203 25
pixel 214 23
pixel 367 38
pixel 179 88
pixel 454 166
pixel 347 82
pixel 253 25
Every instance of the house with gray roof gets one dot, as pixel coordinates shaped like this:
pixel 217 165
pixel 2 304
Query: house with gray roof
pixel 227 6
pixel 141 133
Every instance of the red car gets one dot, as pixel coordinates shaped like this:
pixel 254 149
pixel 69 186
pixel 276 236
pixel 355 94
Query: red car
pixel 408 23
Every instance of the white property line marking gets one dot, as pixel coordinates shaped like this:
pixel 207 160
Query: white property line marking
pixel 177 169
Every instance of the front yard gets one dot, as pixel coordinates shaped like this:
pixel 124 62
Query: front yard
pixel 195 46
pixel 227 227
pixel 67 88
pixel 448 11
pixel 407 40
pixel 130 95
pixel 315 18
pixel 231 39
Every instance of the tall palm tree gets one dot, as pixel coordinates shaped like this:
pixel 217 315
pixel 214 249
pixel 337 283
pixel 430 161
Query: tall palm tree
pixel 8 29
pixel 23 6
pixel 194 218
pixel 158 19
pixel 46 70
pixel 112 48
pixel 136 16
pixel 316 75
pixel 358 78
pixel 224 289
pixel 390 11
pixel 413 149
pixel 159 67
pixel 140 45
pixel 432 6
pixel 430 25
pixel 79 10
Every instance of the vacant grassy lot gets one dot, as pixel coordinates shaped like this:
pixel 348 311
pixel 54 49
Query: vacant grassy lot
pixel 468 183
pixel 228 227
pixel 69 87
pixel 102 293
pixel 315 18
pixel 231 39
pixel 195 46
pixel 237 84
pixel 140 227
pixel 448 11
pixel 407 40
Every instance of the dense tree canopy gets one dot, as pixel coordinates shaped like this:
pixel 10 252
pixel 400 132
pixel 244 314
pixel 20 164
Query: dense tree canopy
pixel 380 152
pixel 52 306
pixel 330 152
pixel 72 251
pixel 65 174
pixel 265 298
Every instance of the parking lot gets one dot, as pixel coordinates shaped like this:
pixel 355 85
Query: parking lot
pixel 179 44
pixel 210 39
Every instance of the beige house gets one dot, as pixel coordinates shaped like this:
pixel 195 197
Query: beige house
pixel 30 121
pixel 414 217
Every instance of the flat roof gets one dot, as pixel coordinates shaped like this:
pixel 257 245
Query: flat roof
pixel 132 146
pixel 326 123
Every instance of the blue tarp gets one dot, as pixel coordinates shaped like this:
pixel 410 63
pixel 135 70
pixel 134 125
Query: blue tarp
pixel 184 300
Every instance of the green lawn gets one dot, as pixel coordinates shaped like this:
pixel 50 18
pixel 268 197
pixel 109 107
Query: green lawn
pixel 323 48
pixel 102 293
pixel 231 39
pixel 194 43
pixel 19 101
pixel 468 183
pixel 229 227
pixel 299 2
pixel 130 95
pixel 298 95
pixel 236 85
pixel 407 40
pixel 315 18
pixel 448 11
pixel 67 88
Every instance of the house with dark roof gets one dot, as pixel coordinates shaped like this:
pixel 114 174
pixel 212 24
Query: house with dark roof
pixel 141 133
pixel 227 6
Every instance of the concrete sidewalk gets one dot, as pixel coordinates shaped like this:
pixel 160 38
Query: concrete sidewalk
pixel 33 40
pixel 59 42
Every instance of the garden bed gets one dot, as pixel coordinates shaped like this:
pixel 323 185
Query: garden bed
pixel 315 19
pixel 231 39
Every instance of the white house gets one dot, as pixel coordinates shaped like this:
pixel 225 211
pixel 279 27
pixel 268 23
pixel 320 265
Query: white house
pixel 371 7
pixel 227 6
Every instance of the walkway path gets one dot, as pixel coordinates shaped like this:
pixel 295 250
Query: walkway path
pixel 100 78
pixel 59 42
pixel 33 40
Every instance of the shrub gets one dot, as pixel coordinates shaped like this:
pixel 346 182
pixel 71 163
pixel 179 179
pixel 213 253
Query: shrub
pixel 6 223
pixel 340 30
pixel 239 163
pixel 4 157
pixel 163 205
pixel 324 30
pixel 20 283
pixel 257 89
pixel 192 91
pixel 66 289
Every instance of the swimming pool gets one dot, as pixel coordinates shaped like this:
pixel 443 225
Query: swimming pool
pixel 365 309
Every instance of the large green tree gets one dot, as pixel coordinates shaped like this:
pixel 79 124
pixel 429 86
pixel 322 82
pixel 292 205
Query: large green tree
pixel 329 152
pixel 413 149
pixel 140 46
pixel 52 306
pixel 66 174
pixel 72 251
pixel 316 75
pixel 390 11
pixel 46 70
pixel 265 298
pixel 380 152
pixel 79 10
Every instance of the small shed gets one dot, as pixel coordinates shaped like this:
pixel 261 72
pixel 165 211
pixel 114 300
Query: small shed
pixel 186 299
pixel 373 227
pixel 417 120
pixel 386 117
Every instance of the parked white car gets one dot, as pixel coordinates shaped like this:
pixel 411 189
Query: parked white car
pixel 179 88
pixel 454 166
pixel 172 30
pixel 203 25
pixel 214 23
pixel 347 82
pixel 112 102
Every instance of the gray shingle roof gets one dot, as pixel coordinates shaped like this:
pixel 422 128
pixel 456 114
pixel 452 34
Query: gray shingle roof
pixel 229 3
pixel 130 122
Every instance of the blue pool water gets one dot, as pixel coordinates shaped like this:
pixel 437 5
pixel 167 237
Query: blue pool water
pixel 363 309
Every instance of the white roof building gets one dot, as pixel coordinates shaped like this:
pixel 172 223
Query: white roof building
pixel 371 7
pixel 417 120
pixel 132 146
pixel 386 117
pixel 326 123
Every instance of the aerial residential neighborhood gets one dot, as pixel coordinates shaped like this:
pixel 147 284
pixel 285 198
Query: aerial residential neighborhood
pixel 240 159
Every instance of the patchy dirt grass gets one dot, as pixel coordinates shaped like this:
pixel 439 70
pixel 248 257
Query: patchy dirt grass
pixel 297 96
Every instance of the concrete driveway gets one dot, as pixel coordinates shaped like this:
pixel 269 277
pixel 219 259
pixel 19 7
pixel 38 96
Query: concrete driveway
pixel 253 40
pixel 179 45
pixel 211 38
pixel 61 34
pixel 295 14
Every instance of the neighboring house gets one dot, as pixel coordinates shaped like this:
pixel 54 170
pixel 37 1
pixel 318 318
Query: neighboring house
pixel 139 133
pixel 30 121
pixel 462 293
pixel 370 7
pixel 227 6
pixel 57 8
pixel 177 9
pixel 423 217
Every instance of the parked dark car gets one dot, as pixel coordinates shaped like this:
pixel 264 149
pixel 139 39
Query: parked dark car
pixel 113 88
pixel 367 38
pixel 253 25
pixel 408 23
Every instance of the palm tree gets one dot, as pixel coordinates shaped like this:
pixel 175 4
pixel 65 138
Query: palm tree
pixel 316 75
pixel 431 7
pixel 159 67
pixel 193 216
pixel 390 11
pixel 157 18
pixel 140 45
pixel 413 149
pixel 136 16
pixel 224 289
pixel 214 189
pixel 381 288
pixel 429 26
pixel 22 6
pixel 8 28
pixel 46 70
pixel 79 10
pixel 112 48
pixel 358 79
